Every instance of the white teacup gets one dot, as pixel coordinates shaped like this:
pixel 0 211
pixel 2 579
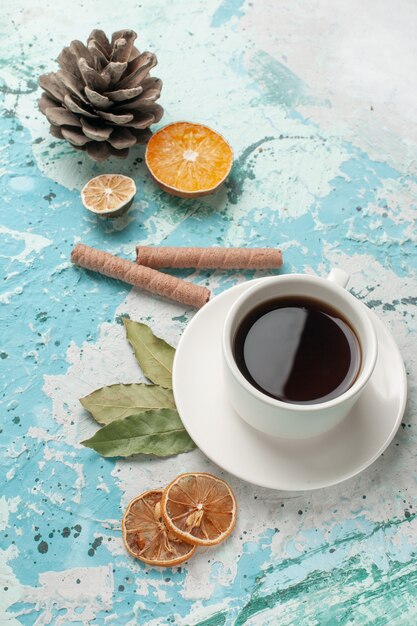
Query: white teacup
pixel 283 419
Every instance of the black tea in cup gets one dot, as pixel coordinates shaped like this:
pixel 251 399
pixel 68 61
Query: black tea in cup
pixel 297 350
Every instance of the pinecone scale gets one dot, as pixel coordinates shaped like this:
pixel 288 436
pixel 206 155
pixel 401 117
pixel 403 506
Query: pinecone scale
pixel 102 99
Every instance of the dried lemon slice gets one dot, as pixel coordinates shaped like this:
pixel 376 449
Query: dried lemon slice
pixel 199 508
pixel 146 536
pixel 109 195
pixel 188 160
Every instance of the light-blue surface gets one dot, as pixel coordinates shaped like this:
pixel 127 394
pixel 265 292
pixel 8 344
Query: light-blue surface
pixel 320 116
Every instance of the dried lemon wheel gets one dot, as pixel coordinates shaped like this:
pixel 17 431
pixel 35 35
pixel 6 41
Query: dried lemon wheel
pixel 109 195
pixel 146 536
pixel 188 160
pixel 199 508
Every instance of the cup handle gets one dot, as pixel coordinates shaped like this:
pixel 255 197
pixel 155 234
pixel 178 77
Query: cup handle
pixel 340 277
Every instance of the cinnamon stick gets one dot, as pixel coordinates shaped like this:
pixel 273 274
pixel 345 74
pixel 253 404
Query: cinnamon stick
pixel 209 258
pixel 140 276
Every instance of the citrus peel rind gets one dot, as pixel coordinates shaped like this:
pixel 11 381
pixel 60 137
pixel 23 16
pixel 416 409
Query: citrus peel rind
pixel 146 536
pixel 188 160
pixel 199 508
pixel 108 195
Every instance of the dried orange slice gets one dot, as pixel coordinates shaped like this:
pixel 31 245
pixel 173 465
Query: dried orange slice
pixel 109 195
pixel 188 160
pixel 199 508
pixel 146 536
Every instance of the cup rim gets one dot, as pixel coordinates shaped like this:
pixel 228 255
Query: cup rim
pixel 368 361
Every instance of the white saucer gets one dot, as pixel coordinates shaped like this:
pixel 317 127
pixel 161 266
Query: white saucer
pixel 281 463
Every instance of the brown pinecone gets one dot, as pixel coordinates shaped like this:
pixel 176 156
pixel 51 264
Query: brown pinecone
pixel 102 100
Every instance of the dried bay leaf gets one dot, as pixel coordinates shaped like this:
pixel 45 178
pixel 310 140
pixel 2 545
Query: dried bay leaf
pixel 159 432
pixel 153 354
pixel 118 401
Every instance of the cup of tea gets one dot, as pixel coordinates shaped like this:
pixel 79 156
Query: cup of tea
pixel 298 351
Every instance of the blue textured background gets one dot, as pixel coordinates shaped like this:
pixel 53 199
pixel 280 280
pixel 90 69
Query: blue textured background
pixel 318 104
